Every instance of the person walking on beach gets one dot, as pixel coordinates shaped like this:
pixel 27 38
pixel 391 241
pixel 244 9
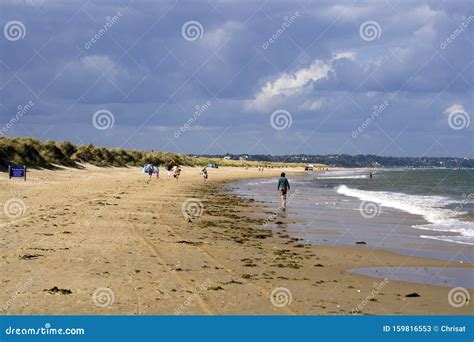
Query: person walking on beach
pixel 204 173
pixel 169 167
pixel 177 172
pixel 149 169
pixel 283 187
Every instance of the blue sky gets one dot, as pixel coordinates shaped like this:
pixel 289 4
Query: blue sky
pixel 275 77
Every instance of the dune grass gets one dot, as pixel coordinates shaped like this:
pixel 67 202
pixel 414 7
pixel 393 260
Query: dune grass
pixel 50 154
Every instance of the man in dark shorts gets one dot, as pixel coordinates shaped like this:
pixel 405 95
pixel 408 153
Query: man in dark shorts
pixel 283 187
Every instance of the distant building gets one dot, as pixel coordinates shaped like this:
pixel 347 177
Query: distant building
pixel 245 157
pixel 226 157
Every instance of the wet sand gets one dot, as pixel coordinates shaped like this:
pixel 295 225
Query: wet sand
pixel 104 241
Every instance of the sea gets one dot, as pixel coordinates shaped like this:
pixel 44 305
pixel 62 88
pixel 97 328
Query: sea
pixel 417 212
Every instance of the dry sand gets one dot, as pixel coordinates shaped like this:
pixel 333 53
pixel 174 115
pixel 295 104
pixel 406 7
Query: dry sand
pixel 107 232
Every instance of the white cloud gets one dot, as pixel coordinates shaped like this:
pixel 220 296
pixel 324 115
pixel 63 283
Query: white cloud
pixel 312 105
pixel 288 85
pixel 96 65
pixel 219 37
pixel 345 12
pixel 346 55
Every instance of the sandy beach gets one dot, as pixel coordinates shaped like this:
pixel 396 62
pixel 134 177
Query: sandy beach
pixel 99 241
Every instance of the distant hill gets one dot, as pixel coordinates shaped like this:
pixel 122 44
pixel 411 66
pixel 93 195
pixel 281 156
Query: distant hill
pixel 345 160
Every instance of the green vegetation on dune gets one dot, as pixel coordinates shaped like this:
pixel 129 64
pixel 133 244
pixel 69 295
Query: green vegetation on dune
pixel 38 154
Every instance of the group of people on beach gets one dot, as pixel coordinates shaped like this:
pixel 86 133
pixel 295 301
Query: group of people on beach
pixel 175 170
pixel 283 184
pixel 262 167
pixel 151 169
pixel 172 169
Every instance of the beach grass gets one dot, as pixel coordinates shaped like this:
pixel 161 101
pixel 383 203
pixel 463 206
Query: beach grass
pixel 35 153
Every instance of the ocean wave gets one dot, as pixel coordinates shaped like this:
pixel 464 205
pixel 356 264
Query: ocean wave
pixel 431 208
pixel 343 177
pixel 343 174
pixel 464 240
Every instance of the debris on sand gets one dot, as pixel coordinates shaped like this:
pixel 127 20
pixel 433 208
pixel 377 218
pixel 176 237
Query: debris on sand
pixel 30 256
pixel 192 243
pixel 231 282
pixel 249 276
pixel 215 288
pixel 414 294
pixel 56 290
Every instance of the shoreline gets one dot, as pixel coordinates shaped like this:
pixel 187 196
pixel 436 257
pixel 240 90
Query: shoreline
pixel 138 244
pixel 380 254
pixel 322 211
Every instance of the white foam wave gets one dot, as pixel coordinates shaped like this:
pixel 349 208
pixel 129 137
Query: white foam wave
pixel 456 239
pixel 341 172
pixel 343 177
pixel 431 208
